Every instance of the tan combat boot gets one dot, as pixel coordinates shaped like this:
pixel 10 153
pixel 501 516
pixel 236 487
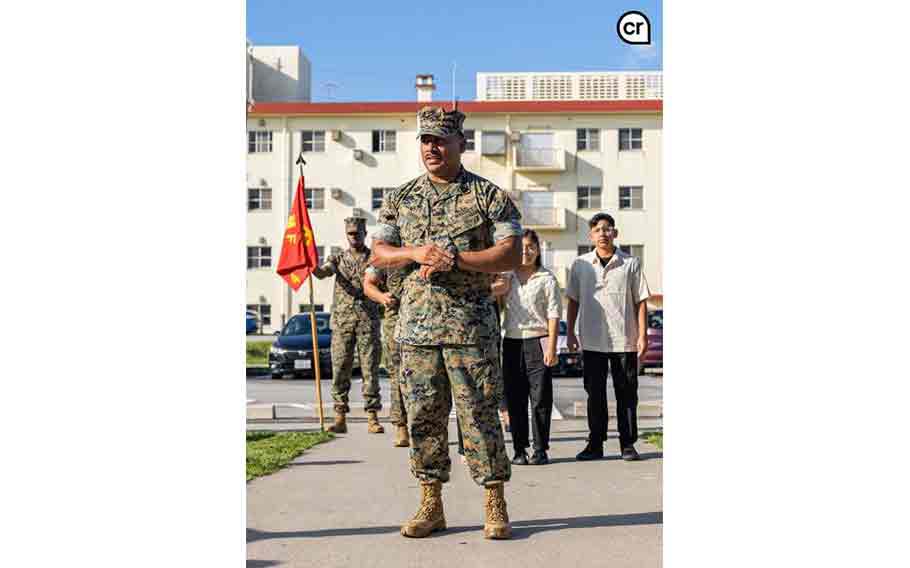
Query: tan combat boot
pixel 429 517
pixel 373 425
pixel 340 426
pixel 402 439
pixel 497 522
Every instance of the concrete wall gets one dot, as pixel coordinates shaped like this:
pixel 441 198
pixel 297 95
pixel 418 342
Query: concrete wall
pixel 280 73
pixel 337 168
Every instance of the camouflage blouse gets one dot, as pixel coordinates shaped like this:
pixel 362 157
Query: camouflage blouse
pixel 468 214
pixel 351 308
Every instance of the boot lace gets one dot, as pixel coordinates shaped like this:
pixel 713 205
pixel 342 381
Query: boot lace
pixel 427 508
pixel 496 507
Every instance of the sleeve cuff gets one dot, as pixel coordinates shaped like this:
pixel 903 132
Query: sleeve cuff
pixel 387 233
pixel 506 229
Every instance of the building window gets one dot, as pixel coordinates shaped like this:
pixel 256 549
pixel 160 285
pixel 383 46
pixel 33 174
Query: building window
pixel 312 140
pixel 259 198
pixel 258 257
pixel 584 249
pixel 305 309
pixel 379 194
pixel 259 141
pixel 630 197
pixel 588 197
pixel 263 313
pixel 634 250
pixel 468 140
pixel 630 138
pixel 493 143
pixel 588 139
pixel 383 140
pixel 315 197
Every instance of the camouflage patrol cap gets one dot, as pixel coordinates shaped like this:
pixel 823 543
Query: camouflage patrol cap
pixel 435 121
pixel 355 224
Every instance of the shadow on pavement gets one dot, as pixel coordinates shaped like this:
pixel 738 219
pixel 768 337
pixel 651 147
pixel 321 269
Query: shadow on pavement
pixel 520 529
pixel 326 462
pixel 253 535
pixel 609 457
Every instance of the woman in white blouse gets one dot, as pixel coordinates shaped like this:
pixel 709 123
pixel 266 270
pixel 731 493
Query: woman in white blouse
pixel 532 310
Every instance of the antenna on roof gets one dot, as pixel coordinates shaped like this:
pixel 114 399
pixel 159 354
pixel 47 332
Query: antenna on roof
pixel 330 87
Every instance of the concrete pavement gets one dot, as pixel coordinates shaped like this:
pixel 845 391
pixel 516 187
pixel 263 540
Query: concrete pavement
pixel 341 504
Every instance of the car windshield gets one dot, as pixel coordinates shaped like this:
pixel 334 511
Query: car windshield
pixel 300 325
pixel 656 319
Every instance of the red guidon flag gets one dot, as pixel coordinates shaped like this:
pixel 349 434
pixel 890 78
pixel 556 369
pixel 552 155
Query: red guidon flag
pixel 298 249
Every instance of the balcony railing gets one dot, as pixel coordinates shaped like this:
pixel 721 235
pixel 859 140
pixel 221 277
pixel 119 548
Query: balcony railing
pixel 578 86
pixel 543 217
pixel 540 158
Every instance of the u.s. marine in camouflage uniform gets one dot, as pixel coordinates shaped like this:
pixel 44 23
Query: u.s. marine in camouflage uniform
pixel 450 231
pixel 384 287
pixel 355 325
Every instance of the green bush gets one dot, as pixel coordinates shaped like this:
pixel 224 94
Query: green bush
pixel 257 352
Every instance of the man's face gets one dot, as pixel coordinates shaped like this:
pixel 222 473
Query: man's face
pixel 355 238
pixel 441 155
pixel 602 234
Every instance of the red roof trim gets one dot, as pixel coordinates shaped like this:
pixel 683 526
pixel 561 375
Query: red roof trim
pixel 284 108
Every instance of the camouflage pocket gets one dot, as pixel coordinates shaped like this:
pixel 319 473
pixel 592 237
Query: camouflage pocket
pixel 483 373
pixel 464 228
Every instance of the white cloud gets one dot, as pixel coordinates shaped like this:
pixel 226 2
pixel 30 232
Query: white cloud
pixel 642 54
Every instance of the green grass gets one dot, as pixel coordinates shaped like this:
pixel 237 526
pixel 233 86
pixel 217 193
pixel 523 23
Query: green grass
pixel 655 438
pixel 257 353
pixel 267 452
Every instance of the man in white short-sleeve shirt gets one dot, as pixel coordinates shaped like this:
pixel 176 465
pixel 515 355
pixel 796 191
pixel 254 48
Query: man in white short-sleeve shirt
pixel 607 291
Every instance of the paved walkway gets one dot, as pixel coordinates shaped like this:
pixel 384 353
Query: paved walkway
pixel 342 503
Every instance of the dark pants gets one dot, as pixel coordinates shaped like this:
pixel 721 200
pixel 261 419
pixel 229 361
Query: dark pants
pixel 526 377
pixel 624 368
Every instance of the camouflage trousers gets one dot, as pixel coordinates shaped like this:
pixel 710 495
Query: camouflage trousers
pixel 366 342
pixel 432 376
pixel 397 414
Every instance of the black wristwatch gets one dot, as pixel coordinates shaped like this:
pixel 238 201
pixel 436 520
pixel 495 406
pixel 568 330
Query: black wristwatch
pixel 453 250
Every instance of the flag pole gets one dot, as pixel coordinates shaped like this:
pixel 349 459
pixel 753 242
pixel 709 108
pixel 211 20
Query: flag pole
pixel 301 162
pixel 316 356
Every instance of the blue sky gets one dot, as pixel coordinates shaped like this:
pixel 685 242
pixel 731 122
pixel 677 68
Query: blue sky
pixel 373 50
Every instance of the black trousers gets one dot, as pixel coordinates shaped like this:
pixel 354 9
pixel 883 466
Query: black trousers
pixel 526 377
pixel 624 368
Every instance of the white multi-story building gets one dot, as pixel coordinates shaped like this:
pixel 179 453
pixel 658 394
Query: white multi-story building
pixel 561 161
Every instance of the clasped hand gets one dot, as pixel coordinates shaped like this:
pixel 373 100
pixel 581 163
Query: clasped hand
pixel 433 258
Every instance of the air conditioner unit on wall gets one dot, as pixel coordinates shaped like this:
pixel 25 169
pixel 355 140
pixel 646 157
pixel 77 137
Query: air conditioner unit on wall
pixel 358 212
pixel 358 154
pixel 515 137
pixel 336 135
pixel 337 193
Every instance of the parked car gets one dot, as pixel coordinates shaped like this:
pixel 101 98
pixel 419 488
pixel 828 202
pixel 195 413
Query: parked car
pixel 252 322
pixel 654 354
pixel 570 364
pixel 292 351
